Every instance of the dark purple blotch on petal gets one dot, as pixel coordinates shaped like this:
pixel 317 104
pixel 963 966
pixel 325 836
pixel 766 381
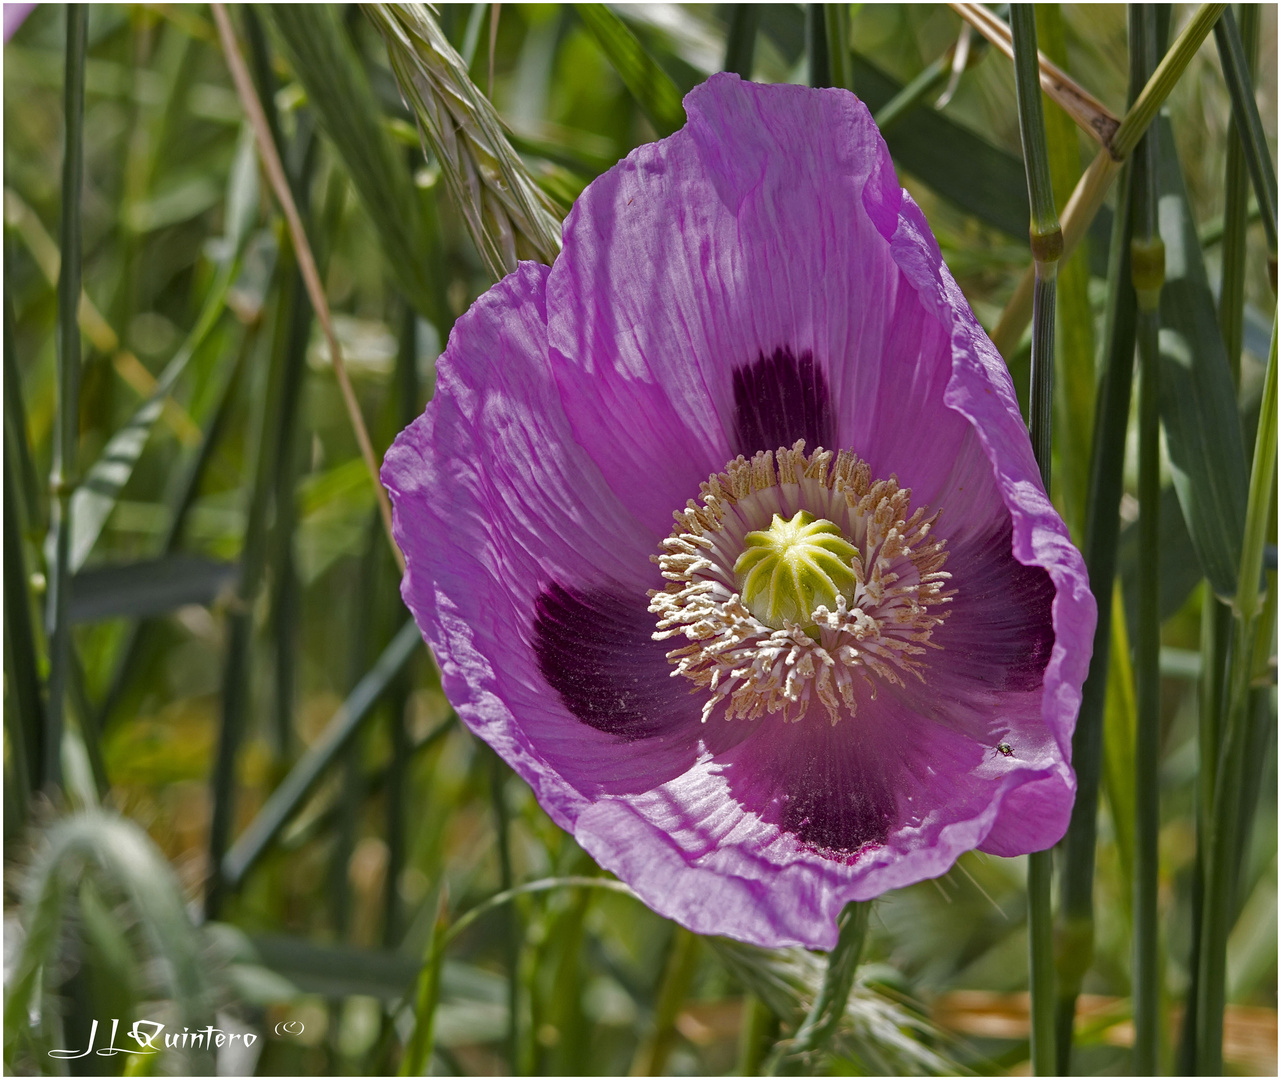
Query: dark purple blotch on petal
pixel 828 813
pixel 781 398
pixel 596 651
pixel 831 789
pixel 1003 614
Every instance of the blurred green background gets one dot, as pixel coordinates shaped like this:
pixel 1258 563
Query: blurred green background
pixel 233 588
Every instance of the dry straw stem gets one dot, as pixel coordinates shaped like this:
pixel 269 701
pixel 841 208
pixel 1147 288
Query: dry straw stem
pixel 508 216
pixel 1093 186
pixel 1085 109
pixel 302 249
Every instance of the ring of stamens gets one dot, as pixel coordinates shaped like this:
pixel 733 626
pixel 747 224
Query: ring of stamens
pixel 877 629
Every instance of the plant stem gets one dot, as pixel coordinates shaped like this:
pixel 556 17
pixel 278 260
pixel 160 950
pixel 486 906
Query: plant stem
pixel 62 480
pixel 825 1014
pixel 816 45
pixel 1147 268
pixel 497 775
pixel 1047 246
pixel 757 1032
pixel 740 42
pixel 836 17
pixel 682 961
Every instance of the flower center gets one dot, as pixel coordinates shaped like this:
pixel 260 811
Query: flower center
pixel 793 567
pixel 799 578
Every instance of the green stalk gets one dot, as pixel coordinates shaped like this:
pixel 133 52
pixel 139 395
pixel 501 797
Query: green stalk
pixel 25 722
pixel 682 961
pixel 740 42
pixel 397 766
pixel 62 480
pixel 1147 261
pixel 1219 904
pixel 825 1014
pixel 1163 80
pixel 1047 246
pixel 816 46
pixel 1216 635
pixel 836 20
pixel 497 774
pixel 1236 204
pixel 271 417
pixel 757 1032
pixel 1245 114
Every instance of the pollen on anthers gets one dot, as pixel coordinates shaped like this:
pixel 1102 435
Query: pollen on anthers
pixel 799 578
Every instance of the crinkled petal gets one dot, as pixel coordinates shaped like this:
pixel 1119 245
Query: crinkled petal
pixel 518 557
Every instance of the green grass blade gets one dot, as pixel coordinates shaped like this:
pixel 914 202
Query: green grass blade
pixel 682 961
pixel 1237 205
pixel 1118 736
pixel 1198 400
pixel 16 443
pixel 1074 365
pixel 23 706
pixel 324 60
pixel 62 481
pixel 647 82
pixel 1249 126
pixel 286 799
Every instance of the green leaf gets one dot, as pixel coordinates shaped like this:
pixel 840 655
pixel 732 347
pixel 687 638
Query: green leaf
pixel 148 587
pixel 1198 400
pixel 286 799
pixel 1180 568
pixel 647 82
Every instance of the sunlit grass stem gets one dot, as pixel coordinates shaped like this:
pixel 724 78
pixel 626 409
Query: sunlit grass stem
pixel 1047 247
pixel 1093 186
pixel 306 261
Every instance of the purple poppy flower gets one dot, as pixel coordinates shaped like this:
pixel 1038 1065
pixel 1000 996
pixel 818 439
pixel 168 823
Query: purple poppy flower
pixel 803 691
